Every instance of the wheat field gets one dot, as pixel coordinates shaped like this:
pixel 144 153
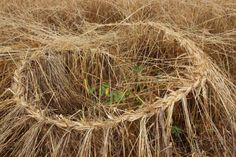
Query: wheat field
pixel 117 78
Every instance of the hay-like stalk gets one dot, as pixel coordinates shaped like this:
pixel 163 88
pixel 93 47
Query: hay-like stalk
pixel 117 78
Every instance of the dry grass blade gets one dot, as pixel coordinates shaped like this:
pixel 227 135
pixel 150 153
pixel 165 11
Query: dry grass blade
pixel 117 78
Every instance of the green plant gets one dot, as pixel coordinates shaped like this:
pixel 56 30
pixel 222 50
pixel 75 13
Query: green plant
pixel 91 90
pixel 111 96
pixel 138 69
pixel 176 131
pixel 117 96
pixel 104 90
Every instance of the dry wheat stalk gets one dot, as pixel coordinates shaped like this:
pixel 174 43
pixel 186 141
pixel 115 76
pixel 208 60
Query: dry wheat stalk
pixel 117 78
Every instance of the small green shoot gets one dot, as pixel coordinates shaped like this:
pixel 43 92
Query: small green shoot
pixel 104 90
pixel 91 90
pixel 117 96
pixel 138 69
pixel 176 131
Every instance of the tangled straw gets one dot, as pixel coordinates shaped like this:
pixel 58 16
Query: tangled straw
pixel 120 81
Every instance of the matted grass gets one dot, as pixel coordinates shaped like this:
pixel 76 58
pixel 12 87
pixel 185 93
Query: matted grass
pixel 117 78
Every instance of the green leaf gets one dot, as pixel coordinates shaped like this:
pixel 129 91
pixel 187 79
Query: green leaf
pixel 118 96
pixel 138 69
pixel 103 88
pixel 91 90
pixel 176 131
